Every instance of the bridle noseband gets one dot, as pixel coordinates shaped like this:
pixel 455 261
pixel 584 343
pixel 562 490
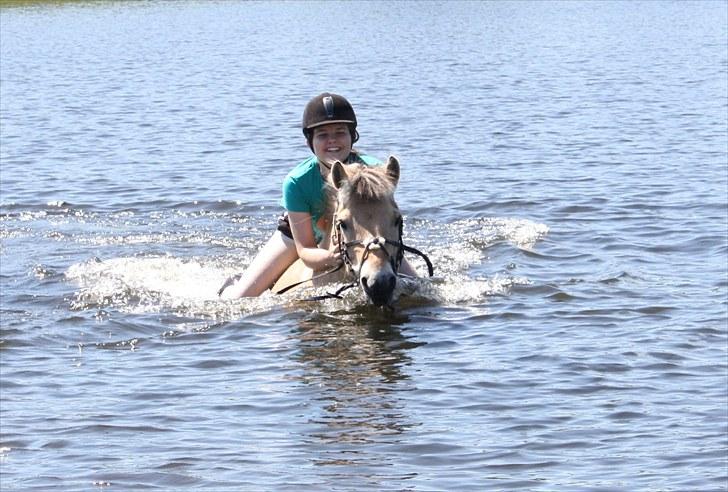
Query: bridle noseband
pixel 375 242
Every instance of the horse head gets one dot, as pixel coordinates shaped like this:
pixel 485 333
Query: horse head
pixel 368 225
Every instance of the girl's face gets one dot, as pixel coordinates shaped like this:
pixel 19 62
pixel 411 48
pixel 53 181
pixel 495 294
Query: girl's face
pixel 332 143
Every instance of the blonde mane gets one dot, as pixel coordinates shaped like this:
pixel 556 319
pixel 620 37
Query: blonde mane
pixel 366 183
pixel 365 224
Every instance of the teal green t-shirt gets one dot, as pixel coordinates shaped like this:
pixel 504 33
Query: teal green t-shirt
pixel 303 187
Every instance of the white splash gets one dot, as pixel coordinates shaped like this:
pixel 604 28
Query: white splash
pixel 174 277
pixel 486 231
pixel 188 286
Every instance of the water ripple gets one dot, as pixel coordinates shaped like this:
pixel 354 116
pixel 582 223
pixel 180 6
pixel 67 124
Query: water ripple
pixel 570 189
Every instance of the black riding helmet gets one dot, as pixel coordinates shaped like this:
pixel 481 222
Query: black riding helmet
pixel 328 108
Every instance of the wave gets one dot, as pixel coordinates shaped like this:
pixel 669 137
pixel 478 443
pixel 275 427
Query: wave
pixel 186 286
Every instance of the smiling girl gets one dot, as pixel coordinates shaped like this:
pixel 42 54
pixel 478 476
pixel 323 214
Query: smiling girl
pixel 329 125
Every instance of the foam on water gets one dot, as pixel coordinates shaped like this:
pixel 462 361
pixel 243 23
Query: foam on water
pixel 486 231
pixel 187 286
pixel 169 276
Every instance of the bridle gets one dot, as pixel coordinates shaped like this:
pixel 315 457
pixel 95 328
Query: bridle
pixel 379 242
pixel 376 242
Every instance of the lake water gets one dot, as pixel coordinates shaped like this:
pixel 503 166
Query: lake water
pixel 564 165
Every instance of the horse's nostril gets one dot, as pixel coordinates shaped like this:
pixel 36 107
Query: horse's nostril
pixel 380 288
pixel 392 282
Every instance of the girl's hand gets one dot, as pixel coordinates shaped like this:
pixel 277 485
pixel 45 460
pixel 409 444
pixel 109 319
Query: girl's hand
pixel 320 259
pixel 332 258
pixel 312 256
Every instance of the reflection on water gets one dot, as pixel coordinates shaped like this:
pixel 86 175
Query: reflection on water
pixel 356 369
pixel 564 167
pixel 355 363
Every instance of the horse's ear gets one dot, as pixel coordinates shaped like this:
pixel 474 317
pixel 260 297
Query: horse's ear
pixel 393 169
pixel 338 175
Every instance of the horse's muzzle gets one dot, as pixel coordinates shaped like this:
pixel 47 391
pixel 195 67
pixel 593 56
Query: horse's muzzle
pixel 380 287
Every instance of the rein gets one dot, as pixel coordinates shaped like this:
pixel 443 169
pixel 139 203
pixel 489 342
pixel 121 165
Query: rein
pixel 333 270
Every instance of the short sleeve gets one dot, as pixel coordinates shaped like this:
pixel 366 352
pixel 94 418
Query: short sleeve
pixel 292 199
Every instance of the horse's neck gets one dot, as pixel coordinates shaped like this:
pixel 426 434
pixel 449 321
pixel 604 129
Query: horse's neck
pixel 325 225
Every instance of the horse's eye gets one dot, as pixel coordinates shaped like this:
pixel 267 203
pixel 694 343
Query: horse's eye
pixel 398 221
pixel 342 225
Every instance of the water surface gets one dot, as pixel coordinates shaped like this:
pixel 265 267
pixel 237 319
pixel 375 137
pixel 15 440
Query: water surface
pixel 564 166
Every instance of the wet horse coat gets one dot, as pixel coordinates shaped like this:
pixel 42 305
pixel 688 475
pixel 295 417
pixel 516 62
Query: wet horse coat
pixel 364 214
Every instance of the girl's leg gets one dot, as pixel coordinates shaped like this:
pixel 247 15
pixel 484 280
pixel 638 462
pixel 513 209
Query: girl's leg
pixel 269 264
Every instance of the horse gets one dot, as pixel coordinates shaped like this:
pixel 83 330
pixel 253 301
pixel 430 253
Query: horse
pixel 363 222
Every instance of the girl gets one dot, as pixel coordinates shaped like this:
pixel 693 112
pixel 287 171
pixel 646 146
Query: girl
pixel 329 125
